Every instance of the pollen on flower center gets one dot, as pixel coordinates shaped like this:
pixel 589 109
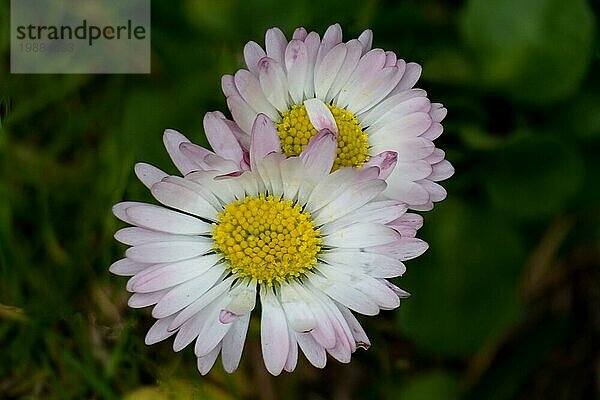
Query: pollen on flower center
pixel 266 238
pixel 295 130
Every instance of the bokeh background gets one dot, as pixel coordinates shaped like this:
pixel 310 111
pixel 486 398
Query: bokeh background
pixel 506 303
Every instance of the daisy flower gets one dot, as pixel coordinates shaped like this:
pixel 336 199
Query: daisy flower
pixel 365 95
pixel 241 228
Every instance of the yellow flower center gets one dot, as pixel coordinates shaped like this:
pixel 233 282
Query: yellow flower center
pixel 295 130
pixel 267 239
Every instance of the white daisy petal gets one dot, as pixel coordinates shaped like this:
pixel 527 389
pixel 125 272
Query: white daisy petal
pixel 330 187
pixel 221 138
pixel 189 331
pixel 360 337
pixel 380 213
pixel 436 191
pixel 353 53
pixel 233 343
pixel 345 293
pixel 165 220
pixel 242 113
pixel 292 359
pixel 171 274
pixel 274 83
pixel 331 38
pixel 178 194
pixel 228 86
pixel 375 265
pixel 206 362
pixel 299 33
pixel 148 174
pixel 292 177
pixel 127 267
pixel 406 107
pixel 134 236
pixel 185 294
pixel 313 43
pixel 275 44
pixel 274 333
pixel 368 65
pixel 243 298
pixel 164 252
pixel 404 249
pixel 201 303
pixel 373 90
pixel 212 332
pixel 250 90
pixel 442 170
pixel 320 116
pixel 159 331
pixel 352 198
pixel 252 53
pixel 264 139
pixel 298 313
pixel 323 333
pixel 314 352
pixel 361 234
pixel 366 40
pixel 172 140
pixel 318 155
pixel 410 125
pixel 327 69
pixel 410 77
pixel 140 300
pixel 371 116
pixel 296 63
pixel 384 161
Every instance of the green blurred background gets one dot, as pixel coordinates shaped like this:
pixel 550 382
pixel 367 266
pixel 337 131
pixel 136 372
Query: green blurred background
pixel 506 303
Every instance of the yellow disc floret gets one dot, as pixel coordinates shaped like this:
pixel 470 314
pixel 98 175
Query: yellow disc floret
pixel 295 130
pixel 267 239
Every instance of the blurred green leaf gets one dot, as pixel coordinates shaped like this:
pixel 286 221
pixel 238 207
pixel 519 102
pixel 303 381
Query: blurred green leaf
pixel 435 385
pixel 534 177
pixel 463 290
pixel 537 51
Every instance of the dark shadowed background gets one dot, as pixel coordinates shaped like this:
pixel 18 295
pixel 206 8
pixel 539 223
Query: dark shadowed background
pixel 506 302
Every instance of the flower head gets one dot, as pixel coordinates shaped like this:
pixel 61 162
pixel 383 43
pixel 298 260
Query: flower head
pixel 312 245
pixel 364 95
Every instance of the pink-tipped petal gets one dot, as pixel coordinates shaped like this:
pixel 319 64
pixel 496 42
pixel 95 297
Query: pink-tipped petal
pixel 331 38
pixel 327 69
pixel 442 170
pixel 172 139
pixel 320 116
pixel 274 83
pixel 251 91
pixel 353 53
pixel 366 40
pixel 275 43
pixel 242 113
pixel 385 161
pixel 264 140
pixel 252 53
pixel 221 138
pixel 296 63
pixel 313 42
pixel 228 86
pixel 319 154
